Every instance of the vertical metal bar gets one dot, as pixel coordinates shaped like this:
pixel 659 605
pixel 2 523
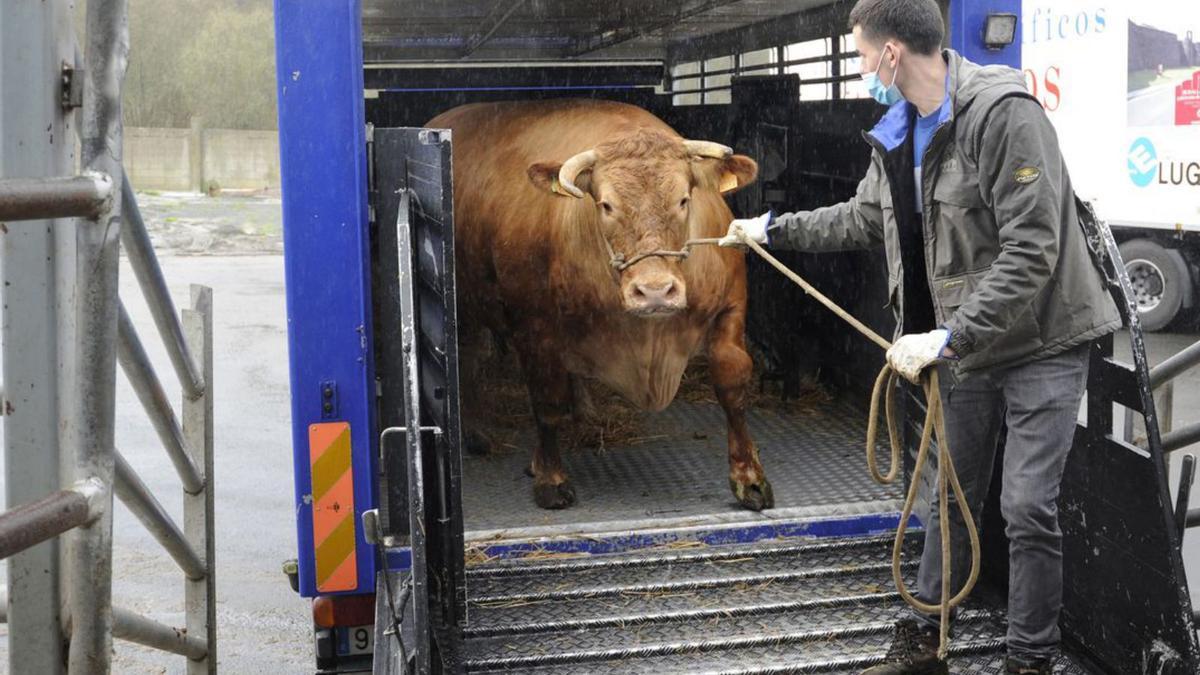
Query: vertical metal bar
pixel 325 226
pixel 200 595
pixel 1127 434
pixel 412 419
pixel 1166 407
pixel 835 67
pixel 1187 474
pixel 136 241
pixel 36 39
pixel 88 429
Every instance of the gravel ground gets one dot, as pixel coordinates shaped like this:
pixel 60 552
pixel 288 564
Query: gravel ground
pixel 189 223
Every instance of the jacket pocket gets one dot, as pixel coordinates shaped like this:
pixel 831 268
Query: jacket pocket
pixel 959 190
pixel 950 293
pixel 964 231
pixel 1022 337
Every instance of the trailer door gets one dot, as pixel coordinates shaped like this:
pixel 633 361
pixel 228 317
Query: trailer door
pixel 417 367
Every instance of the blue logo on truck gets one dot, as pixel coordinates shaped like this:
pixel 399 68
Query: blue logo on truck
pixel 1142 162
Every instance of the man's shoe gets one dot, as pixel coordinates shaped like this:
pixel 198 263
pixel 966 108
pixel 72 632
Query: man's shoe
pixel 913 652
pixel 1015 665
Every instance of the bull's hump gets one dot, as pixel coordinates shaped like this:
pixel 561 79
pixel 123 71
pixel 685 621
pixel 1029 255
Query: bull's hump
pixel 545 123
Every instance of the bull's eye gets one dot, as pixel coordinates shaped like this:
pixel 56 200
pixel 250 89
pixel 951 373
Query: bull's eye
pixel 608 209
pixel 683 203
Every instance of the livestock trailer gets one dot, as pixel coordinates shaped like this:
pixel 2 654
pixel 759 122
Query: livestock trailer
pixel 1122 87
pixel 420 557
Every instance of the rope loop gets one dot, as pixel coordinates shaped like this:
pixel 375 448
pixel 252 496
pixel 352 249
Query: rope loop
pixel 935 424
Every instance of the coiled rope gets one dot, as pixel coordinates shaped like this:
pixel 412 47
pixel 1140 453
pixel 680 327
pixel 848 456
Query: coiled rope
pixel 934 423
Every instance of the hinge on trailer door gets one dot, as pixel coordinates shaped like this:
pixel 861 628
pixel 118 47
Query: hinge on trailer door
pixel 371 193
pixel 71 96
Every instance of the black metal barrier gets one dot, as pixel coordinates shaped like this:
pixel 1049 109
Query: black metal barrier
pixel 417 357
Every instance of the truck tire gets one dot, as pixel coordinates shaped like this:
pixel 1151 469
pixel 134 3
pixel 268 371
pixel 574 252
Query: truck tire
pixel 1158 275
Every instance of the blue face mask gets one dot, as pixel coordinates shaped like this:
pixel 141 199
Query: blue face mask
pixel 887 95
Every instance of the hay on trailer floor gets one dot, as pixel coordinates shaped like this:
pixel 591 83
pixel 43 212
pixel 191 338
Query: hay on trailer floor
pixel 503 410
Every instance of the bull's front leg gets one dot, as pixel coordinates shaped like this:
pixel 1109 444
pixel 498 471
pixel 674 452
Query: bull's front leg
pixel 731 370
pixel 551 396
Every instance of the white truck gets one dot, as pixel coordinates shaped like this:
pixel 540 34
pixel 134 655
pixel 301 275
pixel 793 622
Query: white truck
pixel 1121 82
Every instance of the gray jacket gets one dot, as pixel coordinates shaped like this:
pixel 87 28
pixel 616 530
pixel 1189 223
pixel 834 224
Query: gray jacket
pixel 1005 256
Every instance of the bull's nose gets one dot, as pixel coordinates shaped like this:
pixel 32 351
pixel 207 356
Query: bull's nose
pixel 655 297
pixel 659 292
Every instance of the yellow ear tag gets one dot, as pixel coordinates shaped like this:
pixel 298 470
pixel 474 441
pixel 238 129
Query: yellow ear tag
pixel 728 182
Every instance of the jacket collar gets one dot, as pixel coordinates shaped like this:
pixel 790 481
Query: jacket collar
pixel 892 128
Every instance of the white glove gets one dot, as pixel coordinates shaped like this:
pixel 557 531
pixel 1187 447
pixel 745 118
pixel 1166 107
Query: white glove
pixel 754 229
pixel 913 353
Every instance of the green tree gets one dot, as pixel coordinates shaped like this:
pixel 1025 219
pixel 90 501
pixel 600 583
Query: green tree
pixel 228 66
pixel 154 90
pixel 215 59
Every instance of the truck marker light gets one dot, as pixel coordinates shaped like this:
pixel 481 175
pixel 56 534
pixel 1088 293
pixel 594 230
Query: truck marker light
pixel 330 611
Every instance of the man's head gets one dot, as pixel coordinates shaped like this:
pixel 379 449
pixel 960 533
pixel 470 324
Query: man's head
pixel 886 31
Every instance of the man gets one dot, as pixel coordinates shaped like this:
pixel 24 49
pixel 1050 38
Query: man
pixel 989 274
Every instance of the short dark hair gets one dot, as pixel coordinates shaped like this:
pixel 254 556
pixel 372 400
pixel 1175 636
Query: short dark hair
pixel 916 23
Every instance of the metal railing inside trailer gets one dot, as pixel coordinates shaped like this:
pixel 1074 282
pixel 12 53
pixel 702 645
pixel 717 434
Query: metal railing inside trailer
pixel 64 331
pixel 1162 383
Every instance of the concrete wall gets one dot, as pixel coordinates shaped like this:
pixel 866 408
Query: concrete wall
pixel 158 159
pixel 193 159
pixel 235 158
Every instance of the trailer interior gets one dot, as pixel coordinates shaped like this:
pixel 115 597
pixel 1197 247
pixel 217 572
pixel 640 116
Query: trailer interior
pixel 656 568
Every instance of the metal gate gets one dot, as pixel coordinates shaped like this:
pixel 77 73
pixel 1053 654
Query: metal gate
pixel 417 366
pixel 64 330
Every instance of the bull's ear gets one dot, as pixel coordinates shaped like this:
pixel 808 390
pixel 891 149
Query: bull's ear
pixel 545 176
pixel 737 172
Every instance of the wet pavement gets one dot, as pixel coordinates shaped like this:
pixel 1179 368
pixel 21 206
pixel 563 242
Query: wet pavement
pixel 263 626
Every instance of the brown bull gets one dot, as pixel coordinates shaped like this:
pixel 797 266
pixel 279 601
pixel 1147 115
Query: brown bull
pixel 557 205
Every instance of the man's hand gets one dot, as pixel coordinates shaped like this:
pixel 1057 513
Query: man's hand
pixel 913 353
pixel 754 229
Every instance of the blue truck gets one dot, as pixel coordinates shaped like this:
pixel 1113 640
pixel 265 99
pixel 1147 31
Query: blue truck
pixel 419 557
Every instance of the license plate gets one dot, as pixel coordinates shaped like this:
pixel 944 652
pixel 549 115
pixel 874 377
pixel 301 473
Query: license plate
pixel 353 640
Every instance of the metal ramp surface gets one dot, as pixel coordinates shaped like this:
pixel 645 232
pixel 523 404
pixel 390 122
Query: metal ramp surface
pixel 768 607
pixel 677 476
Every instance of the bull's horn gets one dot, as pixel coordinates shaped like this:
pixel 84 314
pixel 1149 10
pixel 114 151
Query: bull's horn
pixel 708 149
pixel 572 168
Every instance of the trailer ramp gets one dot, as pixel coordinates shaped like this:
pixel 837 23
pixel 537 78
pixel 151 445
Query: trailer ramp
pixel 767 607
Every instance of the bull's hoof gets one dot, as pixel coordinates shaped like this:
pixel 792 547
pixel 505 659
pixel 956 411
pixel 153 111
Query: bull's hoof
pixel 754 496
pixel 554 496
pixel 477 443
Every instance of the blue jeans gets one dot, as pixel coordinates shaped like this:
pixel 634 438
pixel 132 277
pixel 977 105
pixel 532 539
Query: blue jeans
pixel 1040 403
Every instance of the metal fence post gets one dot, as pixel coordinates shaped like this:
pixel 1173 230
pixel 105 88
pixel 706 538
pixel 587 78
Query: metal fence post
pixel 36 41
pixel 89 436
pixel 200 594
